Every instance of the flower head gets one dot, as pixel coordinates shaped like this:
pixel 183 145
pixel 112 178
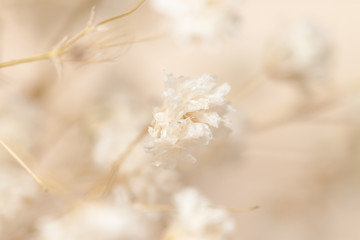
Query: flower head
pixel 196 219
pixel 202 20
pixel 97 220
pixel 302 52
pixel 193 108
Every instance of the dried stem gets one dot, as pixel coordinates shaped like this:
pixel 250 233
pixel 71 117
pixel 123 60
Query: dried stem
pixel 122 15
pixel 63 48
pixel 25 60
pixel 116 165
pixel 24 165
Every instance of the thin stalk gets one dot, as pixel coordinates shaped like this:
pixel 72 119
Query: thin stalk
pixel 25 60
pixel 140 40
pixel 122 15
pixel 115 168
pixel 24 165
pixel 57 52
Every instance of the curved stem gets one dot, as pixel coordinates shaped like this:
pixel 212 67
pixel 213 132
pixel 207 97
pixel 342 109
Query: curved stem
pixel 105 190
pixel 115 168
pixel 122 15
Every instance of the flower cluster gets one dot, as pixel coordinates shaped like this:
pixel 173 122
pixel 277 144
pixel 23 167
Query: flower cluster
pixel 301 52
pixel 197 220
pixel 97 221
pixel 202 20
pixel 192 109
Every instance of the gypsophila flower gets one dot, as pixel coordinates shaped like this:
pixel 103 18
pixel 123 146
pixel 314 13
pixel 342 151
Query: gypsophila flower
pixel 301 52
pixel 144 182
pixel 197 220
pixel 113 123
pixel 202 20
pixel 18 193
pixel 193 108
pixel 98 221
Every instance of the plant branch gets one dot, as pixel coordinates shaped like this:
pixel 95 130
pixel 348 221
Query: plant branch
pixel 63 48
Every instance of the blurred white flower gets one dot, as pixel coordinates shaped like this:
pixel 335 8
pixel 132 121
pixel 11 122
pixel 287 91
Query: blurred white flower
pixel 200 20
pixel 193 108
pixel 114 124
pixel 18 191
pixel 145 183
pixel 301 52
pixel 196 220
pixel 149 184
pixel 98 221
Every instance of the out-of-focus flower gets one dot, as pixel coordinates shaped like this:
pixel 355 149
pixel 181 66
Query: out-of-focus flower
pixel 113 124
pixel 18 191
pixel 193 108
pixel 98 221
pixel 146 183
pixel 200 20
pixel 196 220
pixel 302 52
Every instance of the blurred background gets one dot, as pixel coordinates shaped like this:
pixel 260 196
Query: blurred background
pixel 294 149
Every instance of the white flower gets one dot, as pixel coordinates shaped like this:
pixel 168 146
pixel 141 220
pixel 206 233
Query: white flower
pixel 204 20
pixel 144 182
pixel 18 194
pixel 98 221
pixel 302 52
pixel 196 220
pixel 114 123
pixel 192 109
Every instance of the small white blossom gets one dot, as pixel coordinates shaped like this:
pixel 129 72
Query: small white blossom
pixel 193 108
pixel 202 20
pixel 114 124
pixel 301 52
pixel 97 221
pixel 197 220
pixel 144 182
pixel 18 193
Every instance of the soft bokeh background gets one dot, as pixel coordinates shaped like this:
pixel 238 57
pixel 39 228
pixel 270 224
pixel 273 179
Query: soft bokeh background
pixel 296 155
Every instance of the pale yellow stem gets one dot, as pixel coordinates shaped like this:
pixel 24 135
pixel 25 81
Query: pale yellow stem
pixel 145 39
pixel 24 165
pixel 57 52
pixel 25 60
pixel 115 168
pixel 122 15
pixel 76 38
